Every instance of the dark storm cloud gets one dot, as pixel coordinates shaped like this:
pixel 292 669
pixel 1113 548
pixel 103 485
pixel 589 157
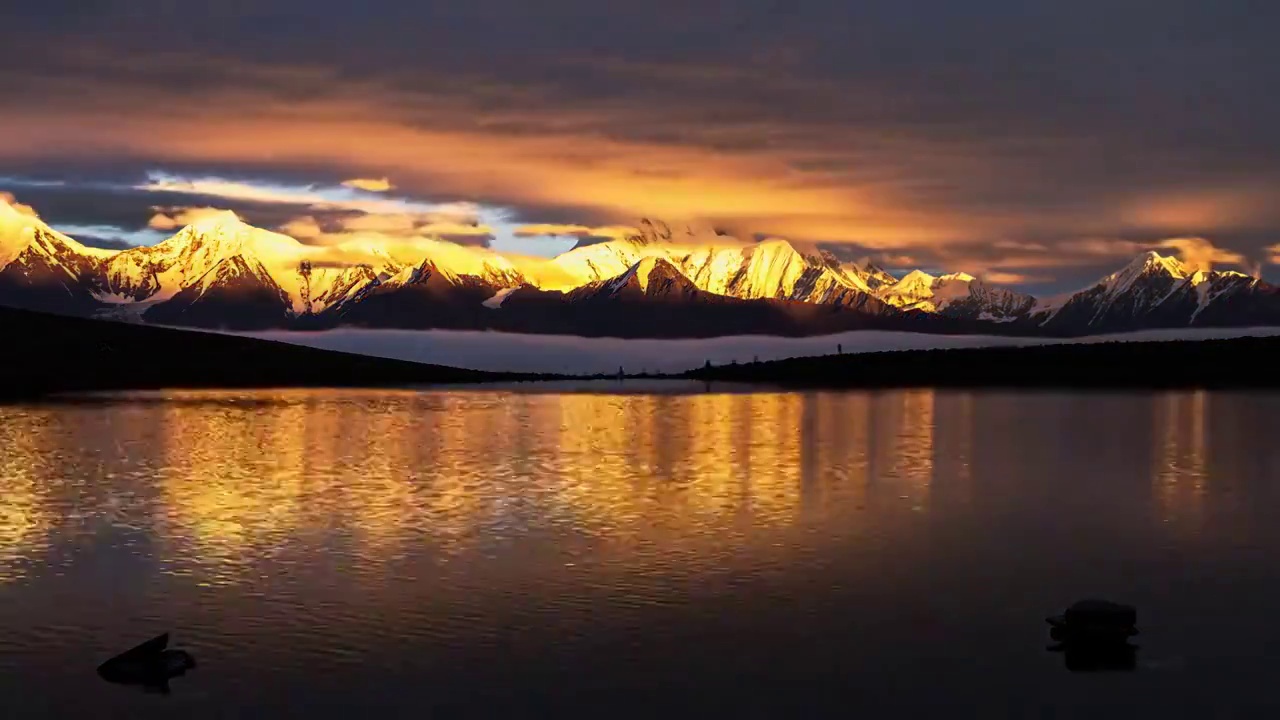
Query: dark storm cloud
pixel 129 208
pixel 931 127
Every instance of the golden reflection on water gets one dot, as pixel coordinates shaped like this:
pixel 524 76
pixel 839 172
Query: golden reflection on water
pixel 240 478
pixel 25 518
pixel 224 483
pixel 903 424
pixel 688 464
pixel 234 476
pixel 1179 480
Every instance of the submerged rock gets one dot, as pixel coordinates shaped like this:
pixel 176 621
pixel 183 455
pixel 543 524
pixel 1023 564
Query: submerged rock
pixel 150 665
pixel 1121 657
pixel 1102 613
pixel 1094 636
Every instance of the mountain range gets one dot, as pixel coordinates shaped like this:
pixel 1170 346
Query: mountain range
pixel 220 272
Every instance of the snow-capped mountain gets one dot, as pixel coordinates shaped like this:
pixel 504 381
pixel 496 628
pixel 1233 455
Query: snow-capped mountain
pixel 874 276
pixel 159 272
pixel 43 269
pixel 957 295
pixel 237 292
pixel 654 298
pixel 649 279
pixel 221 272
pixel 773 269
pixel 431 294
pixel 221 251
pixel 1159 291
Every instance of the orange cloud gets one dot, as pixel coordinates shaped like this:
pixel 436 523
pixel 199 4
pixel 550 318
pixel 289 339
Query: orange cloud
pixel 272 194
pixel 893 260
pixel 1020 246
pixel 894 190
pixel 608 231
pixel 1200 210
pixel 1195 252
pixel 553 230
pixel 303 228
pixel 551 164
pixel 1199 254
pixel 369 185
pixel 452 229
pixel 8 199
pixel 998 277
pixel 397 226
pixel 179 217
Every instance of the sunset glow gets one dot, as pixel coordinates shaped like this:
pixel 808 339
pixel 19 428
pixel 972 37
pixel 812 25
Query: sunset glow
pixel 787 136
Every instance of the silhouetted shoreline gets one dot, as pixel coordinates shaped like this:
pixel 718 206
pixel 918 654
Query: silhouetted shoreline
pixel 1248 362
pixel 54 354
pixel 50 354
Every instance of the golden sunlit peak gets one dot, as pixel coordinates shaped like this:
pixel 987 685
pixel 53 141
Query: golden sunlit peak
pixel 10 207
pixel 219 219
pixel 200 217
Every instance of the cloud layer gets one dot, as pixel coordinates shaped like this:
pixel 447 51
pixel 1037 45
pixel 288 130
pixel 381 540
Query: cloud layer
pixel 962 133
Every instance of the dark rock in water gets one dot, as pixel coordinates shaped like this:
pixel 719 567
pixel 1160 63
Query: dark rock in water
pixel 150 665
pixel 1094 635
pixel 1091 657
pixel 1101 612
pixel 1097 616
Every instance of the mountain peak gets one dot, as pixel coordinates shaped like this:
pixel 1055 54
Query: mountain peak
pixel 15 216
pixel 223 234
pixel 650 276
pixel 1154 261
pixel 874 276
pixel 221 222
pixel 916 278
pixel 7 209
pixel 652 231
pixel 21 228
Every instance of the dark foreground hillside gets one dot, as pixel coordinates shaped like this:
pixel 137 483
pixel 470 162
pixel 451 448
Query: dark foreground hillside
pixel 54 353
pixel 1235 363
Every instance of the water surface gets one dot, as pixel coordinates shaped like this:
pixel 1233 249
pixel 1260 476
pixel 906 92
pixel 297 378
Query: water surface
pixel 512 553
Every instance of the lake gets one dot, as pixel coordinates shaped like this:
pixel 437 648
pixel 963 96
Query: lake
pixel 637 550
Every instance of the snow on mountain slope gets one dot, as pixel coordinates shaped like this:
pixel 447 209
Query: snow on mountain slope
pixel 43 269
pixel 220 261
pixel 1145 266
pixel 460 264
pixel 159 272
pixel 1206 288
pixel 237 292
pixel 958 295
pixel 650 277
pixel 20 232
pixel 495 302
pixel 326 287
pixel 312 278
pixel 1159 291
pixel 637 276
pixel 913 289
pixel 773 269
pixel 596 262
pixel 872 275
pixel 1121 298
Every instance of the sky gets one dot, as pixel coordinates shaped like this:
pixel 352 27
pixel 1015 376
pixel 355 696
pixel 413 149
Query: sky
pixel 1029 142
